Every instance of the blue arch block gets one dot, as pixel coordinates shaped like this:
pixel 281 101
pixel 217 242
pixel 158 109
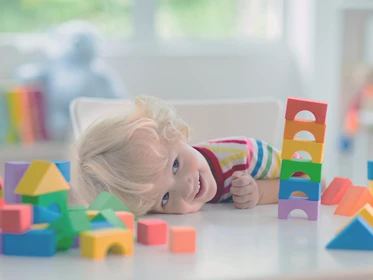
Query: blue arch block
pixel 311 189
pixel 64 167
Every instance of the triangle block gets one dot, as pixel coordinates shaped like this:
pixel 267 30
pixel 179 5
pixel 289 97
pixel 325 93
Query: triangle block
pixel 355 198
pixel 42 177
pixel 366 213
pixel 358 235
pixel 109 216
pixel 335 191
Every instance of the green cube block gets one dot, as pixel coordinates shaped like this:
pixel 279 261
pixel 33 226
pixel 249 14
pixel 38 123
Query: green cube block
pixel 289 167
pixel 45 200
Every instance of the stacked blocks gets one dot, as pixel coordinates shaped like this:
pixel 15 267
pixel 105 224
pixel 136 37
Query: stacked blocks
pixel 370 176
pixel 290 165
pixel 14 171
pixel 357 234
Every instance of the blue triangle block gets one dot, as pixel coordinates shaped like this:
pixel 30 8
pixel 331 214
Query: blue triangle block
pixel 358 235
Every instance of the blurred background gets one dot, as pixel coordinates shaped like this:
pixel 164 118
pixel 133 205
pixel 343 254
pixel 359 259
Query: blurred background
pixel 52 51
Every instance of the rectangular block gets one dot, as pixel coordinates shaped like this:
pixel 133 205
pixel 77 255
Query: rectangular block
pixel 14 171
pixel 296 105
pixel 289 167
pixel 311 189
pixel 311 208
pixel 316 129
pixel 34 243
pixel 16 218
pixel 315 150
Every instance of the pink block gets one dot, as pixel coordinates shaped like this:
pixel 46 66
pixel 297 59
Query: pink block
pixel 152 232
pixel 14 171
pixel 285 206
pixel 16 218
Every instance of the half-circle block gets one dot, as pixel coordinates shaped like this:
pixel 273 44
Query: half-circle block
pixel 296 105
pixel 335 191
pixel 316 129
pixel 289 167
pixel 358 235
pixel 95 244
pixel 310 207
pixel 366 212
pixel 354 199
pixel 290 147
pixel 370 170
pixel 311 189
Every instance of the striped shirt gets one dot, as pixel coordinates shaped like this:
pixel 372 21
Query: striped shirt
pixel 227 155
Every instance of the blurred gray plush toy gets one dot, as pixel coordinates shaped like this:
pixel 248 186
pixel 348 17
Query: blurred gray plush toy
pixel 72 69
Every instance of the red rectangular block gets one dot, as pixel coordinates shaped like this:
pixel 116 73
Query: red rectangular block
pixel 16 218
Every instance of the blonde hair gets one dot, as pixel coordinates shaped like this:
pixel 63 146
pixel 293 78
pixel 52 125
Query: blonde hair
pixel 121 154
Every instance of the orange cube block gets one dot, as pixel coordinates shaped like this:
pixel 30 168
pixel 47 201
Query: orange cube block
pixel 152 232
pixel 182 240
pixel 355 198
pixel 16 218
pixel 127 218
pixel 335 191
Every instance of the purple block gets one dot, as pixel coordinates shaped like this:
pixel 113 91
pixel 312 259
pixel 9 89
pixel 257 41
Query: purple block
pixel 76 243
pixel 14 171
pixel 285 206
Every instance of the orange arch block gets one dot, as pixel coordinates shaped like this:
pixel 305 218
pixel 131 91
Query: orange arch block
pixel 96 244
pixel 316 150
pixel 296 105
pixel 355 198
pixel 316 129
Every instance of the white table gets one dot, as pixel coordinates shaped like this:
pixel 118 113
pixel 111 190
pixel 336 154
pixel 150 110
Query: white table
pixel 232 244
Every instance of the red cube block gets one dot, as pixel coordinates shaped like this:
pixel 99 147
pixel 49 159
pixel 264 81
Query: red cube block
pixel 16 218
pixel 152 232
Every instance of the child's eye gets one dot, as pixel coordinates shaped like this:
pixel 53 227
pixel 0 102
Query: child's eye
pixel 165 199
pixel 175 166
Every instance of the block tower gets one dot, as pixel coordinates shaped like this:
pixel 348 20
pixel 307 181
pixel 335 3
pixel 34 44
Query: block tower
pixel 289 165
pixel 370 175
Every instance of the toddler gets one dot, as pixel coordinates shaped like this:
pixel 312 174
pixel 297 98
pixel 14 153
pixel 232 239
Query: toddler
pixel 143 157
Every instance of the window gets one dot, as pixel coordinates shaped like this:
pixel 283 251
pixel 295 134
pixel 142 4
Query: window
pixel 158 19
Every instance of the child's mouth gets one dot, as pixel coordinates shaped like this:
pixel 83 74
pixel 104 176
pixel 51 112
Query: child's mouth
pixel 201 187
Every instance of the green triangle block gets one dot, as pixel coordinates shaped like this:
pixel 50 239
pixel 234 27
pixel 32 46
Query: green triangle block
pixel 76 208
pixel 110 216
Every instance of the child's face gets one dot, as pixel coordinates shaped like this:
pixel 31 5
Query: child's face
pixel 187 183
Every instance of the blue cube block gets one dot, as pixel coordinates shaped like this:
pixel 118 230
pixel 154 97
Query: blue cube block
pixel 34 243
pixel 311 189
pixel 64 167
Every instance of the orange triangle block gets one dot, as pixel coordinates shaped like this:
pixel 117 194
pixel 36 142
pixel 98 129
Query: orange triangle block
pixel 335 191
pixel 42 177
pixel 366 213
pixel 355 198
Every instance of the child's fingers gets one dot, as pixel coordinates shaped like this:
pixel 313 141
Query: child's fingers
pixel 240 191
pixel 242 198
pixel 242 181
pixel 245 205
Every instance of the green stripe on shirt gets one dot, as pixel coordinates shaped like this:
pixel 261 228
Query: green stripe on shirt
pixel 268 164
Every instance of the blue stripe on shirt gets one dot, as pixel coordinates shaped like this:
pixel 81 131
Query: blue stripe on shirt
pixel 260 159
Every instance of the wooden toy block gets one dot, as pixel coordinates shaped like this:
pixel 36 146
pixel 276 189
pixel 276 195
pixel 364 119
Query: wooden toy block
pixel 14 172
pixel 34 243
pixel 110 216
pixel 127 218
pixel 290 147
pixel 296 105
pixel 2 202
pixel 311 189
pixel 106 200
pixel 289 167
pixel 293 127
pixel 370 185
pixel 358 235
pixel 100 225
pixel 64 167
pixel 354 199
pixel 42 177
pixel 46 200
pixel 92 213
pixel 366 213
pixel 69 226
pixel 44 215
pixel 16 218
pixel 152 232
pixel 96 244
pixel 182 240
pixel 335 191
pixel 310 207
pixel 370 170
pixel 39 226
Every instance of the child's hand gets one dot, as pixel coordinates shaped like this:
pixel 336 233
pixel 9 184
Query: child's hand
pixel 245 190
